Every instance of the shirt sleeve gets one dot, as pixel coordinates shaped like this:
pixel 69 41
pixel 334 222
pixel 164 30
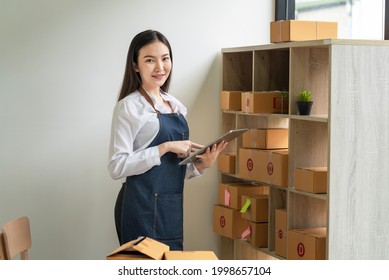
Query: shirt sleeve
pixel 192 171
pixel 123 159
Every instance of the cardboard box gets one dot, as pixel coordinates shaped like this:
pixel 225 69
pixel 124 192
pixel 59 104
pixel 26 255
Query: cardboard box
pixel 230 194
pixel 270 138
pixel 226 162
pixel 275 31
pixel 326 30
pixel 280 232
pixel 146 248
pixel 190 255
pixel 267 166
pixel 257 234
pixel 255 208
pixel 307 244
pixel 228 222
pixel 302 30
pixel 311 179
pixel 298 30
pixel 262 102
pixel 230 100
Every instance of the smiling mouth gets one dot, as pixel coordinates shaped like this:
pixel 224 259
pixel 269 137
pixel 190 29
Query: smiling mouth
pixel 159 77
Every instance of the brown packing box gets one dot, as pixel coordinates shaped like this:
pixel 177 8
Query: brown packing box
pixel 230 100
pixel 267 166
pixel 270 138
pixel 311 179
pixel 190 255
pixel 258 209
pixel 326 30
pixel 298 30
pixel 228 222
pixel 230 194
pixel 307 244
pixel 302 30
pixel 275 31
pixel 262 102
pixel 146 248
pixel 226 162
pixel 258 234
pixel 280 232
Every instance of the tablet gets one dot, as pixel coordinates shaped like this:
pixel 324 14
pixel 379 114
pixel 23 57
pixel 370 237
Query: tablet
pixel 230 135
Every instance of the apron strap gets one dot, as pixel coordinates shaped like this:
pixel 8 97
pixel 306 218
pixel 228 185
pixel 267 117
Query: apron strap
pixel 145 95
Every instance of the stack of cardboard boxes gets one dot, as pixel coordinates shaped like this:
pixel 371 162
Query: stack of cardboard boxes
pixel 242 211
pixel 227 219
pixel 255 209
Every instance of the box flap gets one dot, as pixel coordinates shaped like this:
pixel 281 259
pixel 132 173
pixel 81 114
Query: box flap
pixel 151 248
pixel 144 245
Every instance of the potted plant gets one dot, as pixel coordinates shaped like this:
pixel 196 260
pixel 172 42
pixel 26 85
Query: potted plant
pixel 304 102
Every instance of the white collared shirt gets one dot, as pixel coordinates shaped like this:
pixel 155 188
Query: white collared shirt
pixel 134 126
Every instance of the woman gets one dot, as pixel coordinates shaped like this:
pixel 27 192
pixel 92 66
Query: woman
pixel 149 138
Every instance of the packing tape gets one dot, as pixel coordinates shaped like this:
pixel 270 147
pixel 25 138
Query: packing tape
pixel 245 206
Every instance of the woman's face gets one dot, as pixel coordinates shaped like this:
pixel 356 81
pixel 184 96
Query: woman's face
pixel 154 65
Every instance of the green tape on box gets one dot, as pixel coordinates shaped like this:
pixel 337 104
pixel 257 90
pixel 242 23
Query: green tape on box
pixel 245 206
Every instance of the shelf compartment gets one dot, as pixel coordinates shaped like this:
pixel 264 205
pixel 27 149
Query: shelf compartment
pixel 271 70
pixel 238 71
pixel 308 145
pixel 305 211
pixel 310 71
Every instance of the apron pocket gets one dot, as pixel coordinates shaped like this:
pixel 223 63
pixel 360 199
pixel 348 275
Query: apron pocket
pixel 168 216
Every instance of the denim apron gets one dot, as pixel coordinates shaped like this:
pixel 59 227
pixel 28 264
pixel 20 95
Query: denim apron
pixel 151 204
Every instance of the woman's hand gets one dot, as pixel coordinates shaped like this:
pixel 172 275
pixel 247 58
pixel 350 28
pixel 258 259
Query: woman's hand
pixel 208 158
pixel 181 148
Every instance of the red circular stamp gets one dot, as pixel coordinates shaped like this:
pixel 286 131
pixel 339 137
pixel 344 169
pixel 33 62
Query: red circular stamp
pixel 250 164
pixel 270 168
pixel 301 249
pixel 222 221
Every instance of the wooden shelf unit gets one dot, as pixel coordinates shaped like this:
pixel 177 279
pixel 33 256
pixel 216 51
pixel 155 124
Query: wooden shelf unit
pixel 347 131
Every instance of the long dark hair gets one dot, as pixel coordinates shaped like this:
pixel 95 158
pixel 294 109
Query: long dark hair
pixel 131 80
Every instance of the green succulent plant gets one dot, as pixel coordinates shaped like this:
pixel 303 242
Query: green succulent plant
pixel 304 95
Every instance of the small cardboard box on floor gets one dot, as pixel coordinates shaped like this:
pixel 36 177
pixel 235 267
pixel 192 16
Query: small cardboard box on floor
pixel 230 100
pixel 146 248
pixel 269 138
pixel 263 102
pixel 229 194
pixel 267 166
pixel 307 244
pixel 311 179
pixel 228 222
pixel 280 232
pixel 302 30
pixel 226 162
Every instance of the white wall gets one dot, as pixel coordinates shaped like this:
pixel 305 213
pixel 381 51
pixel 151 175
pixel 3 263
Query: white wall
pixel 61 65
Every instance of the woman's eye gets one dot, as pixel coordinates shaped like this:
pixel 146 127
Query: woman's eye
pixel 149 60
pixel 166 58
